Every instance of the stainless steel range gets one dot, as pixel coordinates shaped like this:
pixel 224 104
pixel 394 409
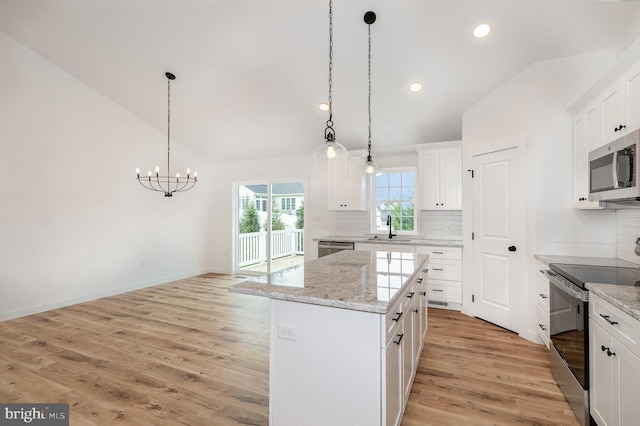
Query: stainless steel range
pixel 569 326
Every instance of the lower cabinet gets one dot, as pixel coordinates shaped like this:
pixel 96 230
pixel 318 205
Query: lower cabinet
pixel 342 366
pixel 614 367
pixel 542 304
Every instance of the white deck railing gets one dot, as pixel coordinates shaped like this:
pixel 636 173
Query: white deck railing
pixel 252 247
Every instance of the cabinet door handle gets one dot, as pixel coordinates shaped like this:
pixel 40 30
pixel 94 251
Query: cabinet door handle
pixel 410 294
pixel 544 296
pixel 607 319
pixel 415 311
pixel 542 327
pixel 399 314
pixel 400 339
pixel 425 270
pixel 419 280
pixel 423 293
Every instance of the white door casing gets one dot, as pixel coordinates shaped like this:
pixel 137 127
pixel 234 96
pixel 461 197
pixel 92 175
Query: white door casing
pixel 498 247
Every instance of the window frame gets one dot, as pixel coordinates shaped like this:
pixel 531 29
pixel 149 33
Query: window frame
pixel 373 202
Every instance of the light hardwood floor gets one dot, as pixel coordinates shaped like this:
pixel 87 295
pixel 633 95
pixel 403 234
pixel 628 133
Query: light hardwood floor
pixel 190 352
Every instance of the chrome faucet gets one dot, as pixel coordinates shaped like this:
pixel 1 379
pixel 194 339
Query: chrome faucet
pixel 391 235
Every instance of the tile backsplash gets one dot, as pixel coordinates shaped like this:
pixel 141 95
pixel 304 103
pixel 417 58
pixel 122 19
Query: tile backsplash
pixel 627 232
pixel 436 224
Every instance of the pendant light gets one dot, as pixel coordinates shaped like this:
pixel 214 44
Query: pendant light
pixel 370 167
pixel 330 149
pixel 168 184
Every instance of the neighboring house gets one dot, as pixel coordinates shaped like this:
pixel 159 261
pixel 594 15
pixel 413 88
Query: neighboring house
pixel 287 197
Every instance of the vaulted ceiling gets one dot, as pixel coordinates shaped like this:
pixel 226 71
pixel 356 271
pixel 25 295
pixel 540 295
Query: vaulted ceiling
pixel 250 73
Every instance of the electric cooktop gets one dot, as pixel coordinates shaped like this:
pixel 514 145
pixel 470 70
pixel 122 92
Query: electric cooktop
pixel 581 274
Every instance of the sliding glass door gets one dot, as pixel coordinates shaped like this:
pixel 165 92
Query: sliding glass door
pixel 269 227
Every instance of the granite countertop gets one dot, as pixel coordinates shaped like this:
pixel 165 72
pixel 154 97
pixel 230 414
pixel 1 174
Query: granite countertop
pixel 349 279
pixel 414 241
pixel 627 298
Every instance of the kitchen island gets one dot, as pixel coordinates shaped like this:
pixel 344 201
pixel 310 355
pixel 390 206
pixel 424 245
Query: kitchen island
pixel 346 335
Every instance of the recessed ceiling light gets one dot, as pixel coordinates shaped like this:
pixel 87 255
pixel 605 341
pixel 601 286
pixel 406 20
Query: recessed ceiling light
pixel 323 106
pixel 415 87
pixel 481 30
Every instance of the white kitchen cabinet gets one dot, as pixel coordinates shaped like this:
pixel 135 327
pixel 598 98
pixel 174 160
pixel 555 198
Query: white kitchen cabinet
pixel 614 366
pixel 585 132
pixel 381 246
pixel 347 186
pixel 620 106
pixel 440 174
pixel 444 279
pixel 542 304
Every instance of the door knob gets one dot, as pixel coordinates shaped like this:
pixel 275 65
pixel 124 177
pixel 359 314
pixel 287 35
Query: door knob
pixel 512 248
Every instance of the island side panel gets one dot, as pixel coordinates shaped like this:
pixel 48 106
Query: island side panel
pixel 330 373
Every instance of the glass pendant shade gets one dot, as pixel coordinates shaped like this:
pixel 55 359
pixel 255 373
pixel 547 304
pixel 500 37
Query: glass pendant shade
pixel 371 168
pixel 329 151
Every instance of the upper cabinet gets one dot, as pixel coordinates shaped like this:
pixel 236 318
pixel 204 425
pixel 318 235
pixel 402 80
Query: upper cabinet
pixel 618 108
pixel 347 186
pixel 440 174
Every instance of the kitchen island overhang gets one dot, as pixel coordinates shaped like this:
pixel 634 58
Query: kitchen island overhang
pixel 345 336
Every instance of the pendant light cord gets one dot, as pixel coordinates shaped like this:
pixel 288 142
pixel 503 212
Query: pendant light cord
pixel 329 133
pixel 369 101
pixel 168 124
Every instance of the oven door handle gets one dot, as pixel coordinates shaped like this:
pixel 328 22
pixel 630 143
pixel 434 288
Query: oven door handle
pixel 569 288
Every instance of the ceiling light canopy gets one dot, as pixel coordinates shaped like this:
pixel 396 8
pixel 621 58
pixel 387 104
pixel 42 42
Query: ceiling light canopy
pixel 168 184
pixel 330 149
pixel 481 30
pixel 415 87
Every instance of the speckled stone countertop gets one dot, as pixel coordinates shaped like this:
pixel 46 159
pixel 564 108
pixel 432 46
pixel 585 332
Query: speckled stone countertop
pixel 350 279
pixel 627 298
pixel 417 241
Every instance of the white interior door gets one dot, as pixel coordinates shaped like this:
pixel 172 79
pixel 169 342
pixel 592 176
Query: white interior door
pixel 498 244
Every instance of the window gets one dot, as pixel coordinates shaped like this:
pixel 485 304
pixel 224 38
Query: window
pixel 243 200
pixel 288 204
pixel 261 203
pixel 395 197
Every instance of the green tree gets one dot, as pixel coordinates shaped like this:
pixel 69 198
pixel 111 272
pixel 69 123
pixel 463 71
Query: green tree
pixel 402 215
pixel 300 217
pixel 276 220
pixel 250 222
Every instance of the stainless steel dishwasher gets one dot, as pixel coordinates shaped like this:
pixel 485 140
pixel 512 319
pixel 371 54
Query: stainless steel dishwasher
pixel 327 247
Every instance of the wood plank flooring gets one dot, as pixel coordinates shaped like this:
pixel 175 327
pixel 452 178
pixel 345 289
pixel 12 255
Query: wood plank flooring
pixel 191 353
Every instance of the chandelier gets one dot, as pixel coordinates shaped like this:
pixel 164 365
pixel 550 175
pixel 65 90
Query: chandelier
pixel 168 184
pixel 370 167
pixel 330 149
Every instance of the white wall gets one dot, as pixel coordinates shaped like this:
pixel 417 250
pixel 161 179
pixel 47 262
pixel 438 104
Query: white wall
pixel 532 107
pixel 76 225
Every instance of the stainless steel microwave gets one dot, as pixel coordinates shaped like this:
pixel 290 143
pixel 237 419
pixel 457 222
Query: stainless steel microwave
pixel 613 170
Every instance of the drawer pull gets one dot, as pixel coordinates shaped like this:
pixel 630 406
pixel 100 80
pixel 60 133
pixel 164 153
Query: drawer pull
pixel 415 311
pixel 423 293
pixel 438 252
pixel 400 339
pixel 419 280
pixel 425 270
pixel 410 294
pixel 438 289
pixel 544 296
pixel 609 353
pixel 607 319
pixel 438 269
pixel 542 327
pixel 399 314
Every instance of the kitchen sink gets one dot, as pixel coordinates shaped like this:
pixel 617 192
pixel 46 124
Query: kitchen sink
pixel 390 240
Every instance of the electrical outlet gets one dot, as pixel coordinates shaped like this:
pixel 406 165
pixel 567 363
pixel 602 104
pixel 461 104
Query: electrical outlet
pixel 286 332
